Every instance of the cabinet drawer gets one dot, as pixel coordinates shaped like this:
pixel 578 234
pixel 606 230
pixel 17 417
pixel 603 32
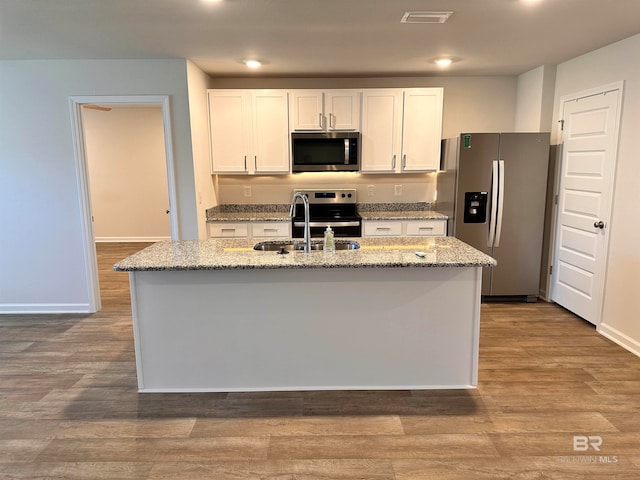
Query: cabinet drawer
pixel 382 229
pixel 271 229
pixel 427 228
pixel 225 229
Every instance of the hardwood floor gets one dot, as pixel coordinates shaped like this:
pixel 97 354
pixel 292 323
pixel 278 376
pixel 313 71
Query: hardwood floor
pixel 69 409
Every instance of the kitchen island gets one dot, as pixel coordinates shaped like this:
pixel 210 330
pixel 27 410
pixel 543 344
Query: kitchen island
pixel 217 315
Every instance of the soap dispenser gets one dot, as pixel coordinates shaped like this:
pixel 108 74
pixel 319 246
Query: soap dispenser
pixel 329 241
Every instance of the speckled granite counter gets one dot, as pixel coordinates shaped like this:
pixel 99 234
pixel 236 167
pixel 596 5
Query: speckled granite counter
pixel 402 215
pixel 399 211
pixel 225 254
pixel 280 212
pixel 217 316
pixel 248 213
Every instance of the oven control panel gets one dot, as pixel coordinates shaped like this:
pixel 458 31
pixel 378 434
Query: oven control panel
pixel 345 195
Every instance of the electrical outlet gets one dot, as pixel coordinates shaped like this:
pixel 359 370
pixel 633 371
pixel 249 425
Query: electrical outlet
pixel 397 190
pixel 247 190
pixel 370 191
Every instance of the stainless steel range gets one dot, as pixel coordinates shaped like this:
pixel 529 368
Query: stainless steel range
pixel 328 208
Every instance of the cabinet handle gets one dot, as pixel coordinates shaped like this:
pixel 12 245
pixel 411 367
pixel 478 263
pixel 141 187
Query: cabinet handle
pixel 245 162
pixel 255 163
pixel 332 120
pixel 393 162
pixel 425 228
pixel 320 120
pixel 404 161
pixel 383 228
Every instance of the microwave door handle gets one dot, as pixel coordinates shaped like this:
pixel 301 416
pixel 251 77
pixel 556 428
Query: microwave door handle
pixel 346 151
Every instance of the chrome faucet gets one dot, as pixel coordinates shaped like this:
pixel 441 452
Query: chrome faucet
pixel 307 228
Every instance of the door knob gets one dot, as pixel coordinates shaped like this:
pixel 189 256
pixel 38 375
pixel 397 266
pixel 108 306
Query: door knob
pixel 599 224
pixel 166 211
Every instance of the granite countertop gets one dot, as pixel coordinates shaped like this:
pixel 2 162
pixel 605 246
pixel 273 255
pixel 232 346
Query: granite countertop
pixel 249 213
pixel 231 254
pixel 280 212
pixel 402 215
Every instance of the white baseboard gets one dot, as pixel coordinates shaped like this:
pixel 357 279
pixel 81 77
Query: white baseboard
pixel 130 239
pixel 39 308
pixel 620 338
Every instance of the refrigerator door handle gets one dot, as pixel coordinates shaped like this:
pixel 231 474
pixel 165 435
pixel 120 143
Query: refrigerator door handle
pixel 494 203
pixel 500 201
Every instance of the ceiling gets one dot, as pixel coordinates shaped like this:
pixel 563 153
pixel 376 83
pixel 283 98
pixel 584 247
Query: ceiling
pixel 312 38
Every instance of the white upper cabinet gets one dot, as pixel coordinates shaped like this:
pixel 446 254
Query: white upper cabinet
pixel 324 110
pixel 249 131
pixel 229 135
pixel 381 130
pixel 401 130
pixel 270 132
pixel 422 130
pixel 342 109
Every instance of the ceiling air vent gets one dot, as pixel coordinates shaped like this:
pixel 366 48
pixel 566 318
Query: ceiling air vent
pixel 425 17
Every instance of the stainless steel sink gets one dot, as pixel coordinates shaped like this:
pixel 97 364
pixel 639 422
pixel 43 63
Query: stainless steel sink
pixel 294 246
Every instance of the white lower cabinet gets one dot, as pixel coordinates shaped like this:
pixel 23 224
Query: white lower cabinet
pixel 227 229
pixel 249 229
pixel 435 228
pixel 390 228
pixel 271 229
pixel 399 228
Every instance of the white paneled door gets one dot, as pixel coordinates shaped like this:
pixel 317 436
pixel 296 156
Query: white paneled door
pixel 589 144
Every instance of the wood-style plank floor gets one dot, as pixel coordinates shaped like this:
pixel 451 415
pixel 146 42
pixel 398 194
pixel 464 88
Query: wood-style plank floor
pixel 69 409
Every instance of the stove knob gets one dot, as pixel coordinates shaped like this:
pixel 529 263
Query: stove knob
pixel 349 195
pixel 343 195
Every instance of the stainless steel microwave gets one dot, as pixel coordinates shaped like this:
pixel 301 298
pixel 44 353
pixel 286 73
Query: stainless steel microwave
pixel 325 152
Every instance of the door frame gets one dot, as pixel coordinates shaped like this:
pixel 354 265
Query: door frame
pixel 600 90
pixel 82 178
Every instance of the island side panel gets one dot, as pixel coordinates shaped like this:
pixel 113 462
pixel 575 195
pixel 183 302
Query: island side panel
pixel 306 329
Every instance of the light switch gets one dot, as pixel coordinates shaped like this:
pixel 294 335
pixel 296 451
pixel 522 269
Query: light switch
pixel 370 191
pixel 397 190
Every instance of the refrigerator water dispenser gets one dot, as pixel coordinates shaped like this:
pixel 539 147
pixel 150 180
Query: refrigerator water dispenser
pixel 475 207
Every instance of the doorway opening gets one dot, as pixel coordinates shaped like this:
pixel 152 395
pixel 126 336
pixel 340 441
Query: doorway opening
pixel 90 136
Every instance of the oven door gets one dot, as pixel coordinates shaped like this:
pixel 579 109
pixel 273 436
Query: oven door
pixel 349 228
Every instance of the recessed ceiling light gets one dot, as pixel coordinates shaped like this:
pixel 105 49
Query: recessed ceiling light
pixel 213 1
pixel 443 62
pixel 425 17
pixel 253 63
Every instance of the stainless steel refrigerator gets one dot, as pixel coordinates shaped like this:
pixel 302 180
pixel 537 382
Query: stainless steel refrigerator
pixel 493 188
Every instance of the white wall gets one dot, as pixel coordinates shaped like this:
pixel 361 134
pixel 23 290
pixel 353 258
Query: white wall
pixel 480 104
pixel 41 250
pixel 127 173
pixel 198 82
pixel 534 101
pixel 607 65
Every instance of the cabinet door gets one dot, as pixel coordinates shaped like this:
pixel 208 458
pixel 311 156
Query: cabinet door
pixel 422 130
pixel 229 130
pixel 271 229
pixel 381 130
pixel 428 228
pixel 306 110
pixel 270 132
pixel 390 228
pixel 342 109
pixel 228 229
